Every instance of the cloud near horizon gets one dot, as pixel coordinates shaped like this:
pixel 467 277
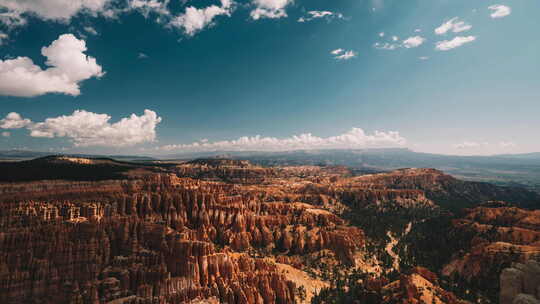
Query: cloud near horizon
pixel 85 128
pixel 468 145
pixel 14 121
pixel 356 138
pixel 68 66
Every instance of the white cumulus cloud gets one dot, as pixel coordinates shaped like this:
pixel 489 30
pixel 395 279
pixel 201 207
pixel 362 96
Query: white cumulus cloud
pixel 320 14
pixel 413 42
pixel 269 9
pixel 14 121
pixel 59 10
pixel 458 41
pixel 148 6
pixel 454 25
pixel 85 128
pixel 68 66
pixel 356 138
pixel 499 11
pixel 196 19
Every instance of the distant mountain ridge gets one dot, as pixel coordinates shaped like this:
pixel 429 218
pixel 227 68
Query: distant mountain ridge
pixel 522 170
pixel 55 167
pixel 509 170
pixel 25 155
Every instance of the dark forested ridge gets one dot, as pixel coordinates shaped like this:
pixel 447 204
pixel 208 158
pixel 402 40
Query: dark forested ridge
pixel 64 167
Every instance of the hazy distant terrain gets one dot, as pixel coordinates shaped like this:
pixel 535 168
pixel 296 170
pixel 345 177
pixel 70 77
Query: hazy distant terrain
pixel 27 155
pixel 515 170
pixel 511 170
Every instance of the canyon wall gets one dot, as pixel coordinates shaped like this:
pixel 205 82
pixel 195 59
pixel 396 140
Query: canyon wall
pixel 161 239
pixel 226 231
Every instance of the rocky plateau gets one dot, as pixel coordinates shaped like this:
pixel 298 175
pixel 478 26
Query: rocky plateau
pixel 228 231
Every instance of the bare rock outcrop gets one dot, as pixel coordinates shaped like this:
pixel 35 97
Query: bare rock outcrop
pixel 520 283
pixel 210 231
pixel 421 286
pixel 156 239
pixel 502 234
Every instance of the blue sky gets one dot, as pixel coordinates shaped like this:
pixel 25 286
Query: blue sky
pixel 215 74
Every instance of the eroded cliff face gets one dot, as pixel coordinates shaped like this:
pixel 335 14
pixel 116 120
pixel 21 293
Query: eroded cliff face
pixel 503 234
pixel 158 239
pixel 520 283
pixel 211 232
pixel 449 192
pixel 420 286
pixel 233 171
